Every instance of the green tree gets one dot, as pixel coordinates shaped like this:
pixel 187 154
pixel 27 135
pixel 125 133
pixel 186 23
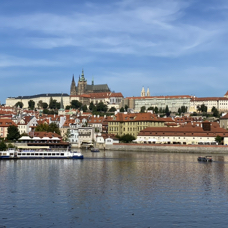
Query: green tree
pixel 20 104
pixel 13 133
pixel 42 127
pixel 121 109
pixel 143 109
pixel 101 107
pixel 127 138
pixel 151 108
pixel 218 139
pixel 76 104
pixel 92 107
pixel 126 108
pixel 53 127
pixel 156 110
pixel 3 146
pixel 31 104
pixel 167 112
pixel 68 107
pixel 112 109
pixel 84 108
pixel 44 105
pixel 40 104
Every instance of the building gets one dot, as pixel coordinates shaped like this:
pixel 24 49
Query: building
pixel 184 134
pixel 84 88
pixel 132 123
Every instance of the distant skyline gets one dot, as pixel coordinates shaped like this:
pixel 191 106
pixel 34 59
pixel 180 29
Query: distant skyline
pixel 172 47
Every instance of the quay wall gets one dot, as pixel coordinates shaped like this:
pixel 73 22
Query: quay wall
pixel 204 149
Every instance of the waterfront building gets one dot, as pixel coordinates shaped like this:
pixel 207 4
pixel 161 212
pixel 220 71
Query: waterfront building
pixel 224 121
pixel 4 124
pixel 132 123
pixel 86 136
pixel 184 134
pixel 25 124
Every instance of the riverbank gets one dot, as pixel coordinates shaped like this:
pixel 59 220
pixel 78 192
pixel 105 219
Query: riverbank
pixel 167 148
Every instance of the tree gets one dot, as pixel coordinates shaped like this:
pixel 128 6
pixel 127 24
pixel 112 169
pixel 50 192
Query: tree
pixel 67 136
pixel 112 109
pixel 44 105
pixel 151 108
pixel 218 139
pixel 68 107
pixel 42 127
pixel 101 107
pixel 167 112
pixel 20 104
pixel 127 138
pixel 92 107
pixel 126 108
pixel 52 127
pixel 143 109
pixel 84 108
pixel 156 110
pixel 40 104
pixel 75 104
pixel 121 109
pixel 31 104
pixel 3 146
pixel 13 133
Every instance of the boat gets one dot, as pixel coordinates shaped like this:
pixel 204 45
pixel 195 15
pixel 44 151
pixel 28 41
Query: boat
pixel 205 159
pixel 39 154
pixel 94 150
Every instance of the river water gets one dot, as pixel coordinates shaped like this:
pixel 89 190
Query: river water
pixel 115 189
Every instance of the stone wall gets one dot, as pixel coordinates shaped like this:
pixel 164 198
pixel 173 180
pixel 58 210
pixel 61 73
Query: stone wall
pixel 204 149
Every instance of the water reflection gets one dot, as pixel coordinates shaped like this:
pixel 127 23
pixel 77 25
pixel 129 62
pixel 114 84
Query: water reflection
pixel 115 189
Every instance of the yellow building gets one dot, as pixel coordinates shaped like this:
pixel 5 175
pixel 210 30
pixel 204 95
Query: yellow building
pixel 132 123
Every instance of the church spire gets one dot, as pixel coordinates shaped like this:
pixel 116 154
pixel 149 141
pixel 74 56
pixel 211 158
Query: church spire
pixel 93 81
pixel 143 92
pixel 73 87
pixel 61 103
pixel 148 92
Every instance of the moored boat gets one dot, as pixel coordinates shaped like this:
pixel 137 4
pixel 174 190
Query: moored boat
pixel 94 150
pixel 39 154
pixel 205 158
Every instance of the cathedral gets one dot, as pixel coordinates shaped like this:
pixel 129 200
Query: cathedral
pixel 84 88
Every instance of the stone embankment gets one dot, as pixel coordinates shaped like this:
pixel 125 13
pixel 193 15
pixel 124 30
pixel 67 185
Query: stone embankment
pixel 169 148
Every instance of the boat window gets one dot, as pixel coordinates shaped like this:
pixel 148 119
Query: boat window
pixel 41 154
pixel 57 154
pixel 19 153
pixel 62 154
pixel 49 153
pixel 11 153
pixel 23 153
pixel 53 154
pixel 4 154
pixel 32 153
pixel 28 153
pixel 36 154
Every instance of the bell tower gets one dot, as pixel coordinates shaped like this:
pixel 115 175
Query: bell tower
pixel 82 83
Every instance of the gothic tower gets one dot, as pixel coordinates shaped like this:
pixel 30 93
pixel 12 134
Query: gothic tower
pixel 143 92
pixel 148 92
pixel 82 83
pixel 73 87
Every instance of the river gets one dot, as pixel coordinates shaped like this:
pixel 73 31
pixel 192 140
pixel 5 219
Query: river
pixel 115 189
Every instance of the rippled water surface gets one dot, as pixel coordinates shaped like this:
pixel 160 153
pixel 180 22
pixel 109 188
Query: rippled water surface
pixel 115 189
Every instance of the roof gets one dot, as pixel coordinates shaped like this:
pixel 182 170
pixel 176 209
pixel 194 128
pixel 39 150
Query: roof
pixel 42 95
pixel 160 97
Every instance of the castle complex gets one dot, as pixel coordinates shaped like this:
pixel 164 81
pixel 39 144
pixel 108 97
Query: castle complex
pixel 84 88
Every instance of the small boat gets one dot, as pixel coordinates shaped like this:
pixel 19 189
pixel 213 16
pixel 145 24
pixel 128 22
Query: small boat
pixel 94 150
pixel 205 159
pixel 39 154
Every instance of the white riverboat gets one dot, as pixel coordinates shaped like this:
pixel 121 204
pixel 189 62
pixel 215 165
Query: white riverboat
pixel 39 154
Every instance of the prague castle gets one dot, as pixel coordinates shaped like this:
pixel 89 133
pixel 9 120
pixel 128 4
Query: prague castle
pixel 84 88
pixel 83 92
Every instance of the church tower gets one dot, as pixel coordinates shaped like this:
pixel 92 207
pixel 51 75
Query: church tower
pixel 143 92
pixel 148 92
pixel 73 87
pixel 82 83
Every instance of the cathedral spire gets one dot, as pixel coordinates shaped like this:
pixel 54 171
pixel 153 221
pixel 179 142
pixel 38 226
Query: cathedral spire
pixel 148 92
pixel 73 87
pixel 143 92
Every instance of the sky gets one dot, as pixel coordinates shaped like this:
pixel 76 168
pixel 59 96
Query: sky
pixel 172 47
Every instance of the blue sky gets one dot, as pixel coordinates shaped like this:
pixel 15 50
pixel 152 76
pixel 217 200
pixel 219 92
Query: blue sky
pixel 171 47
